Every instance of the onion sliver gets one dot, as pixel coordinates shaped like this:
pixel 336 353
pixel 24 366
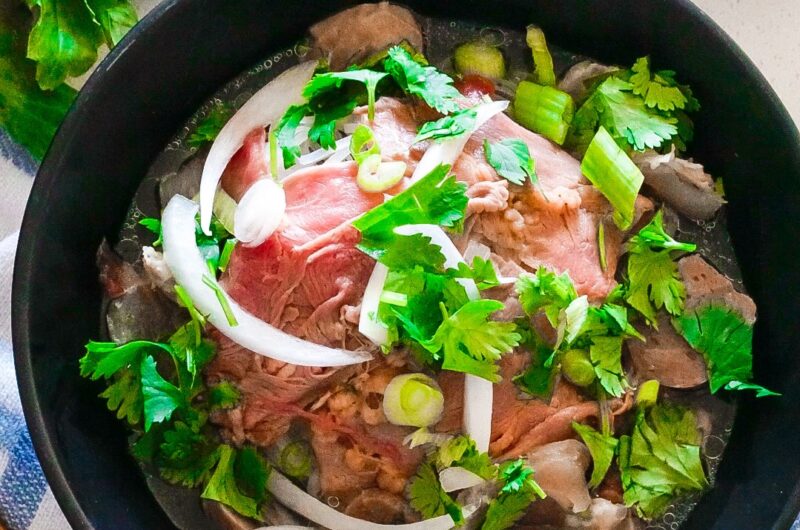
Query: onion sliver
pixel 191 272
pixel 457 478
pixel 263 109
pixel 368 322
pixel 447 151
pixel 297 500
pixel 259 212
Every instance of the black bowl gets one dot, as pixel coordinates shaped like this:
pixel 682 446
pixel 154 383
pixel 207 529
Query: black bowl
pixel 182 52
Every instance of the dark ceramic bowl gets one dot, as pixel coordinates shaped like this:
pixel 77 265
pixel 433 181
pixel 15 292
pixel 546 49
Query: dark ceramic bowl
pixel 186 49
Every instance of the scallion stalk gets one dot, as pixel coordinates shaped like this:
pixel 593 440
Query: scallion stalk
pixel 542 60
pixel 225 256
pixel 544 110
pixel 393 298
pixel 612 172
pixel 295 460
pixel 223 302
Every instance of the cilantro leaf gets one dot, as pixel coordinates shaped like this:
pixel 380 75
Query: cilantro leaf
pixel 461 451
pixel 602 449
pixel 660 461
pixel 657 90
pixel 223 395
pixel 237 479
pixel 407 252
pixel 725 340
pixel 115 17
pixel 104 359
pixel 153 225
pixel 512 160
pixel 333 80
pixel 426 82
pixel 124 395
pixel 624 115
pixel 545 291
pixel 481 272
pixel 209 127
pixel 606 356
pixel 186 457
pixel 426 496
pixel 287 131
pixel 538 379
pixel 518 490
pixel 471 343
pixel 653 278
pixel 161 398
pixel 63 41
pixel 434 199
pixel 456 124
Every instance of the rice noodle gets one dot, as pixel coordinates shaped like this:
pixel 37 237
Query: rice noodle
pixel 297 500
pixel 265 108
pixel 191 272
pixel 314 157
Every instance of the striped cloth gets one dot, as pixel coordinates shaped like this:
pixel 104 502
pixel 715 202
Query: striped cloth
pixel 26 501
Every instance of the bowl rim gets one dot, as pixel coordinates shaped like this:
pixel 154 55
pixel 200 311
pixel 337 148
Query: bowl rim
pixel 43 443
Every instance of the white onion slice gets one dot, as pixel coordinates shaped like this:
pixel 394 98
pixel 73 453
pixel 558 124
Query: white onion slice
pixel 448 151
pixel 263 109
pixel 260 212
pixel 457 478
pixel 300 502
pixel 368 322
pixel 189 269
pixel 321 154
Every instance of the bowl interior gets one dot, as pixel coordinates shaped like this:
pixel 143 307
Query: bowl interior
pixel 186 49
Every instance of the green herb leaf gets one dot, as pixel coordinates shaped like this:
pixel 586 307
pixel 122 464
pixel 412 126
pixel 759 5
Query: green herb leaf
pixel 538 379
pixel 153 225
pixel 481 272
pixel 363 144
pixel 602 449
pixel 186 457
pixel 124 395
pixel 287 131
pixel 512 160
pixel 104 359
pixel 545 291
pixel 223 396
pixel 238 481
pixel 660 461
pixel 426 82
pixel 209 127
pixel 517 491
pixel 725 340
pixel 606 356
pixel 116 18
pixel 161 398
pixel 461 451
pixel 456 124
pixel 658 90
pixel 426 496
pixel 329 80
pixel 408 252
pixel 654 237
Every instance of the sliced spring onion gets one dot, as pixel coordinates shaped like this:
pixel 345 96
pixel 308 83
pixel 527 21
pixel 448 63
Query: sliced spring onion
pixel 414 400
pixel 544 110
pixel 480 58
pixel 448 150
pixel 393 298
pixel 272 140
pixel 295 460
pixel 259 212
pixel 612 172
pixel 223 301
pixel 300 502
pixel 188 267
pixel 375 176
pixel 601 244
pixel 457 478
pixel 368 323
pixel 363 144
pixel 264 109
pixel 542 60
pixel 577 367
pixel 225 255
pixel 225 209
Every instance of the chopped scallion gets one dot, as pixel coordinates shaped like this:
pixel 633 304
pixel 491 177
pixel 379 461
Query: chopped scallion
pixel 612 172
pixel 414 400
pixel 223 302
pixel 542 60
pixel 601 245
pixel 295 460
pixel 227 250
pixel 544 110
pixel 393 298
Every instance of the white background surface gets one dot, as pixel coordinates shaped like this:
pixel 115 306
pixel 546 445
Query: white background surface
pixel 769 32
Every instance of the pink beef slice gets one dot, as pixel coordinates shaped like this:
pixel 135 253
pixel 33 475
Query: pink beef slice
pixel 554 226
pixel 704 284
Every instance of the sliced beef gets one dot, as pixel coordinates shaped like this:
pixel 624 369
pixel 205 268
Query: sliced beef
pixel 682 184
pixel 704 284
pixel 248 165
pixel 580 77
pixel 377 506
pixel 356 33
pixel 666 356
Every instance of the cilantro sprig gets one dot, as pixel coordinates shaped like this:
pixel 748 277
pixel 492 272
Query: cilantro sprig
pixel 512 160
pixel 518 490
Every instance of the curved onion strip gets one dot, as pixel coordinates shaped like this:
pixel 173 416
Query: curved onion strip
pixel 478 392
pixel 263 109
pixel 260 212
pixel 191 272
pixel 457 478
pixel 297 500
pixel 368 323
pixel 322 154
pixel 447 151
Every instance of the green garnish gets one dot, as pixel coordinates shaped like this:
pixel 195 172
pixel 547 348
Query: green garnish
pixel 518 490
pixel 606 355
pixel 296 460
pixel 545 291
pixel 363 144
pixel 154 226
pixel 209 127
pixel 321 86
pixel 426 82
pixel 660 90
pixel 456 124
pixel 660 461
pixel 544 73
pixel 413 400
pixel 426 496
pixel 544 110
pixel 481 58
pixel 601 244
pixel 239 481
pixel 725 340
pixel 512 160
pixel 286 132
pixel 602 449
pixel 160 397
pixel 222 299
pixel 223 396
pixel 653 279
pixel 614 174
pixel 481 272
